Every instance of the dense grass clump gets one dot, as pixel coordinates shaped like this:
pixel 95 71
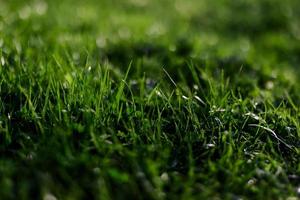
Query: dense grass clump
pixel 149 99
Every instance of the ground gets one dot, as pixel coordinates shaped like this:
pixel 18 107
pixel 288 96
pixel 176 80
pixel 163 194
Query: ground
pixel 140 99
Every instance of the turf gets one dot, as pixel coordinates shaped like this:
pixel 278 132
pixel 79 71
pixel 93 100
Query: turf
pixel 145 99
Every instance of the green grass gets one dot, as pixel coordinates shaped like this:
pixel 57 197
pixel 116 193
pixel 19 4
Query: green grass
pixel 149 99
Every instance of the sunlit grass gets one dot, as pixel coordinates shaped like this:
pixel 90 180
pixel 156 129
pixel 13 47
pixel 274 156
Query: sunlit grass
pixel 149 99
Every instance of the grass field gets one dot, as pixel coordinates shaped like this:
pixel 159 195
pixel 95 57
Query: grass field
pixel 149 99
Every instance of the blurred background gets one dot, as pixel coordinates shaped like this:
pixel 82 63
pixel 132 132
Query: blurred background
pixel 118 31
pixel 261 36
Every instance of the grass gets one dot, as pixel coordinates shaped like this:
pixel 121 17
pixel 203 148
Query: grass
pixel 149 99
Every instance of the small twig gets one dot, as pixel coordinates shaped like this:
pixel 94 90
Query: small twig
pixel 272 132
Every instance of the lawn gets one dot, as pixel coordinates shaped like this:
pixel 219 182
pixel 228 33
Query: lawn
pixel 149 99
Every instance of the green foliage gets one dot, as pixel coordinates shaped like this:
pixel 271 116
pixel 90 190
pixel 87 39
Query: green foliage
pixel 145 99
